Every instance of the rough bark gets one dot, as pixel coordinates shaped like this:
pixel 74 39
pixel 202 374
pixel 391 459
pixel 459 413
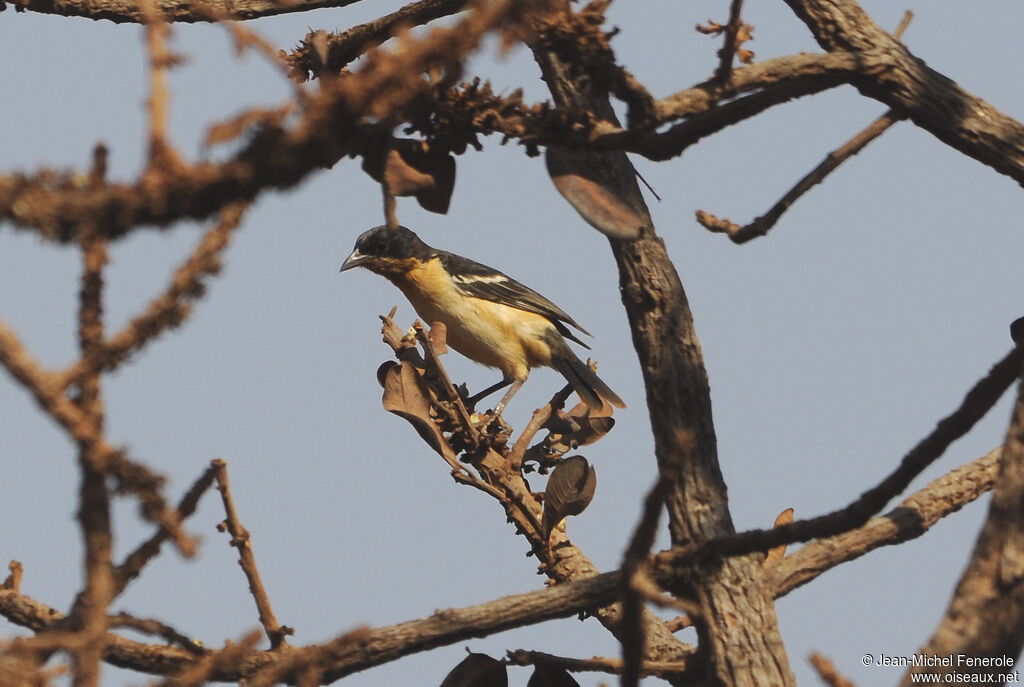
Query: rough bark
pixel 903 81
pixel 739 637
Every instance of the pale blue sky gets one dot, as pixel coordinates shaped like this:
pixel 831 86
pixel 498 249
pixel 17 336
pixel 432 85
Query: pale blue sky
pixel 832 345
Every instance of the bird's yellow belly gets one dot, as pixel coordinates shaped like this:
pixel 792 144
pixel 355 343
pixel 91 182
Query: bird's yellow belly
pixel 489 333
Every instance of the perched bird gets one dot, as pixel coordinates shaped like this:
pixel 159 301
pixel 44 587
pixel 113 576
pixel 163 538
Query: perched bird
pixel 490 317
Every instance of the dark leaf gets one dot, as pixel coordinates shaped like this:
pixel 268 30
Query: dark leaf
pixel 574 177
pixel 477 670
pixel 549 676
pixel 408 167
pixel 569 491
pixel 1017 331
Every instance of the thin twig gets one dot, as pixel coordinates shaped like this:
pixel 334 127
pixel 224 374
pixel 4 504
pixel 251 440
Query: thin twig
pixel 827 671
pixel 147 550
pixel 167 310
pixel 763 224
pixel 728 50
pixel 241 541
pixel 340 49
pixel 537 420
pixel 89 614
pixel 157 628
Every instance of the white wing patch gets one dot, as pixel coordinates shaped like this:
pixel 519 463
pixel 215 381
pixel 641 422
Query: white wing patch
pixel 480 278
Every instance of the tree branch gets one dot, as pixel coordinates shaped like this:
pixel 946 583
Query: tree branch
pixel 737 630
pixel 978 401
pixel 904 82
pixel 763 224
pixel 276 157
pixel 985 618
pixel 240 539
pixel 331 52
pixel 909 520
pixel 186 11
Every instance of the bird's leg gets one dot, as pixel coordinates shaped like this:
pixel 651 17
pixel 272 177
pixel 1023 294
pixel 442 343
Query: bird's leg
pixel 472 400
pixel 508 396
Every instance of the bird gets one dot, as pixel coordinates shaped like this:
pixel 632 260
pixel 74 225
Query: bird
pixel 490 317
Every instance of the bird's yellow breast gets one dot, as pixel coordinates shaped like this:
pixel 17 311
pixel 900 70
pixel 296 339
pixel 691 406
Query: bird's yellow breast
pixel 493 334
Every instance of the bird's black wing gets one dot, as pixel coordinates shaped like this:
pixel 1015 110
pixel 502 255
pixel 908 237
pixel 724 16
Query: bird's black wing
pixel 481 281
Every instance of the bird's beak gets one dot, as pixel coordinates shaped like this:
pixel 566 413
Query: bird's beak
pixel 354 260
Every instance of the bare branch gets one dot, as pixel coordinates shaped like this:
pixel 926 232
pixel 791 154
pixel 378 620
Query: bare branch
pixel 732 42
pixel 169 309
pixel 240 540
pixel 909 520
pixel 942 497
pixel 319 52
pixel 905 83
pixel 827 672
pixel 128 11
pixel 147 550
pixel 978 401
pixel 89 614
pixel 157 628
pixel 761 225
pixel 331 127
pixel 985 618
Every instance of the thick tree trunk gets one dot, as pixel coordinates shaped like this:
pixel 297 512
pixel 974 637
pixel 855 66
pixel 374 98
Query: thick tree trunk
pixel 739 637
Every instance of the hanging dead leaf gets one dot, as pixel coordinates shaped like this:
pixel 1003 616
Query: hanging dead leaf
pixel 549 676
pixel 408 167
pixel 575 178
pixel 477 670
pixel 569 491
pixel 579 427
pixel 775 555
pixel 407 395
pixel 591 424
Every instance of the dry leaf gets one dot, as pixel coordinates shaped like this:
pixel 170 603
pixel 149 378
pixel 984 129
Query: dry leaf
pixel 775 555
pixel 569 491
pixel 600 206
pixel 549 676
pixel 408 167
pixel 477 670
pixel 406 395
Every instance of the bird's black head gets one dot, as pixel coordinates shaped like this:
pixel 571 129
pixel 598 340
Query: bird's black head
pixel 382 247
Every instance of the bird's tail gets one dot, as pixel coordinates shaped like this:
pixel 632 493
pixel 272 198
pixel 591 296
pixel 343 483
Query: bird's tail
pixel 583 380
